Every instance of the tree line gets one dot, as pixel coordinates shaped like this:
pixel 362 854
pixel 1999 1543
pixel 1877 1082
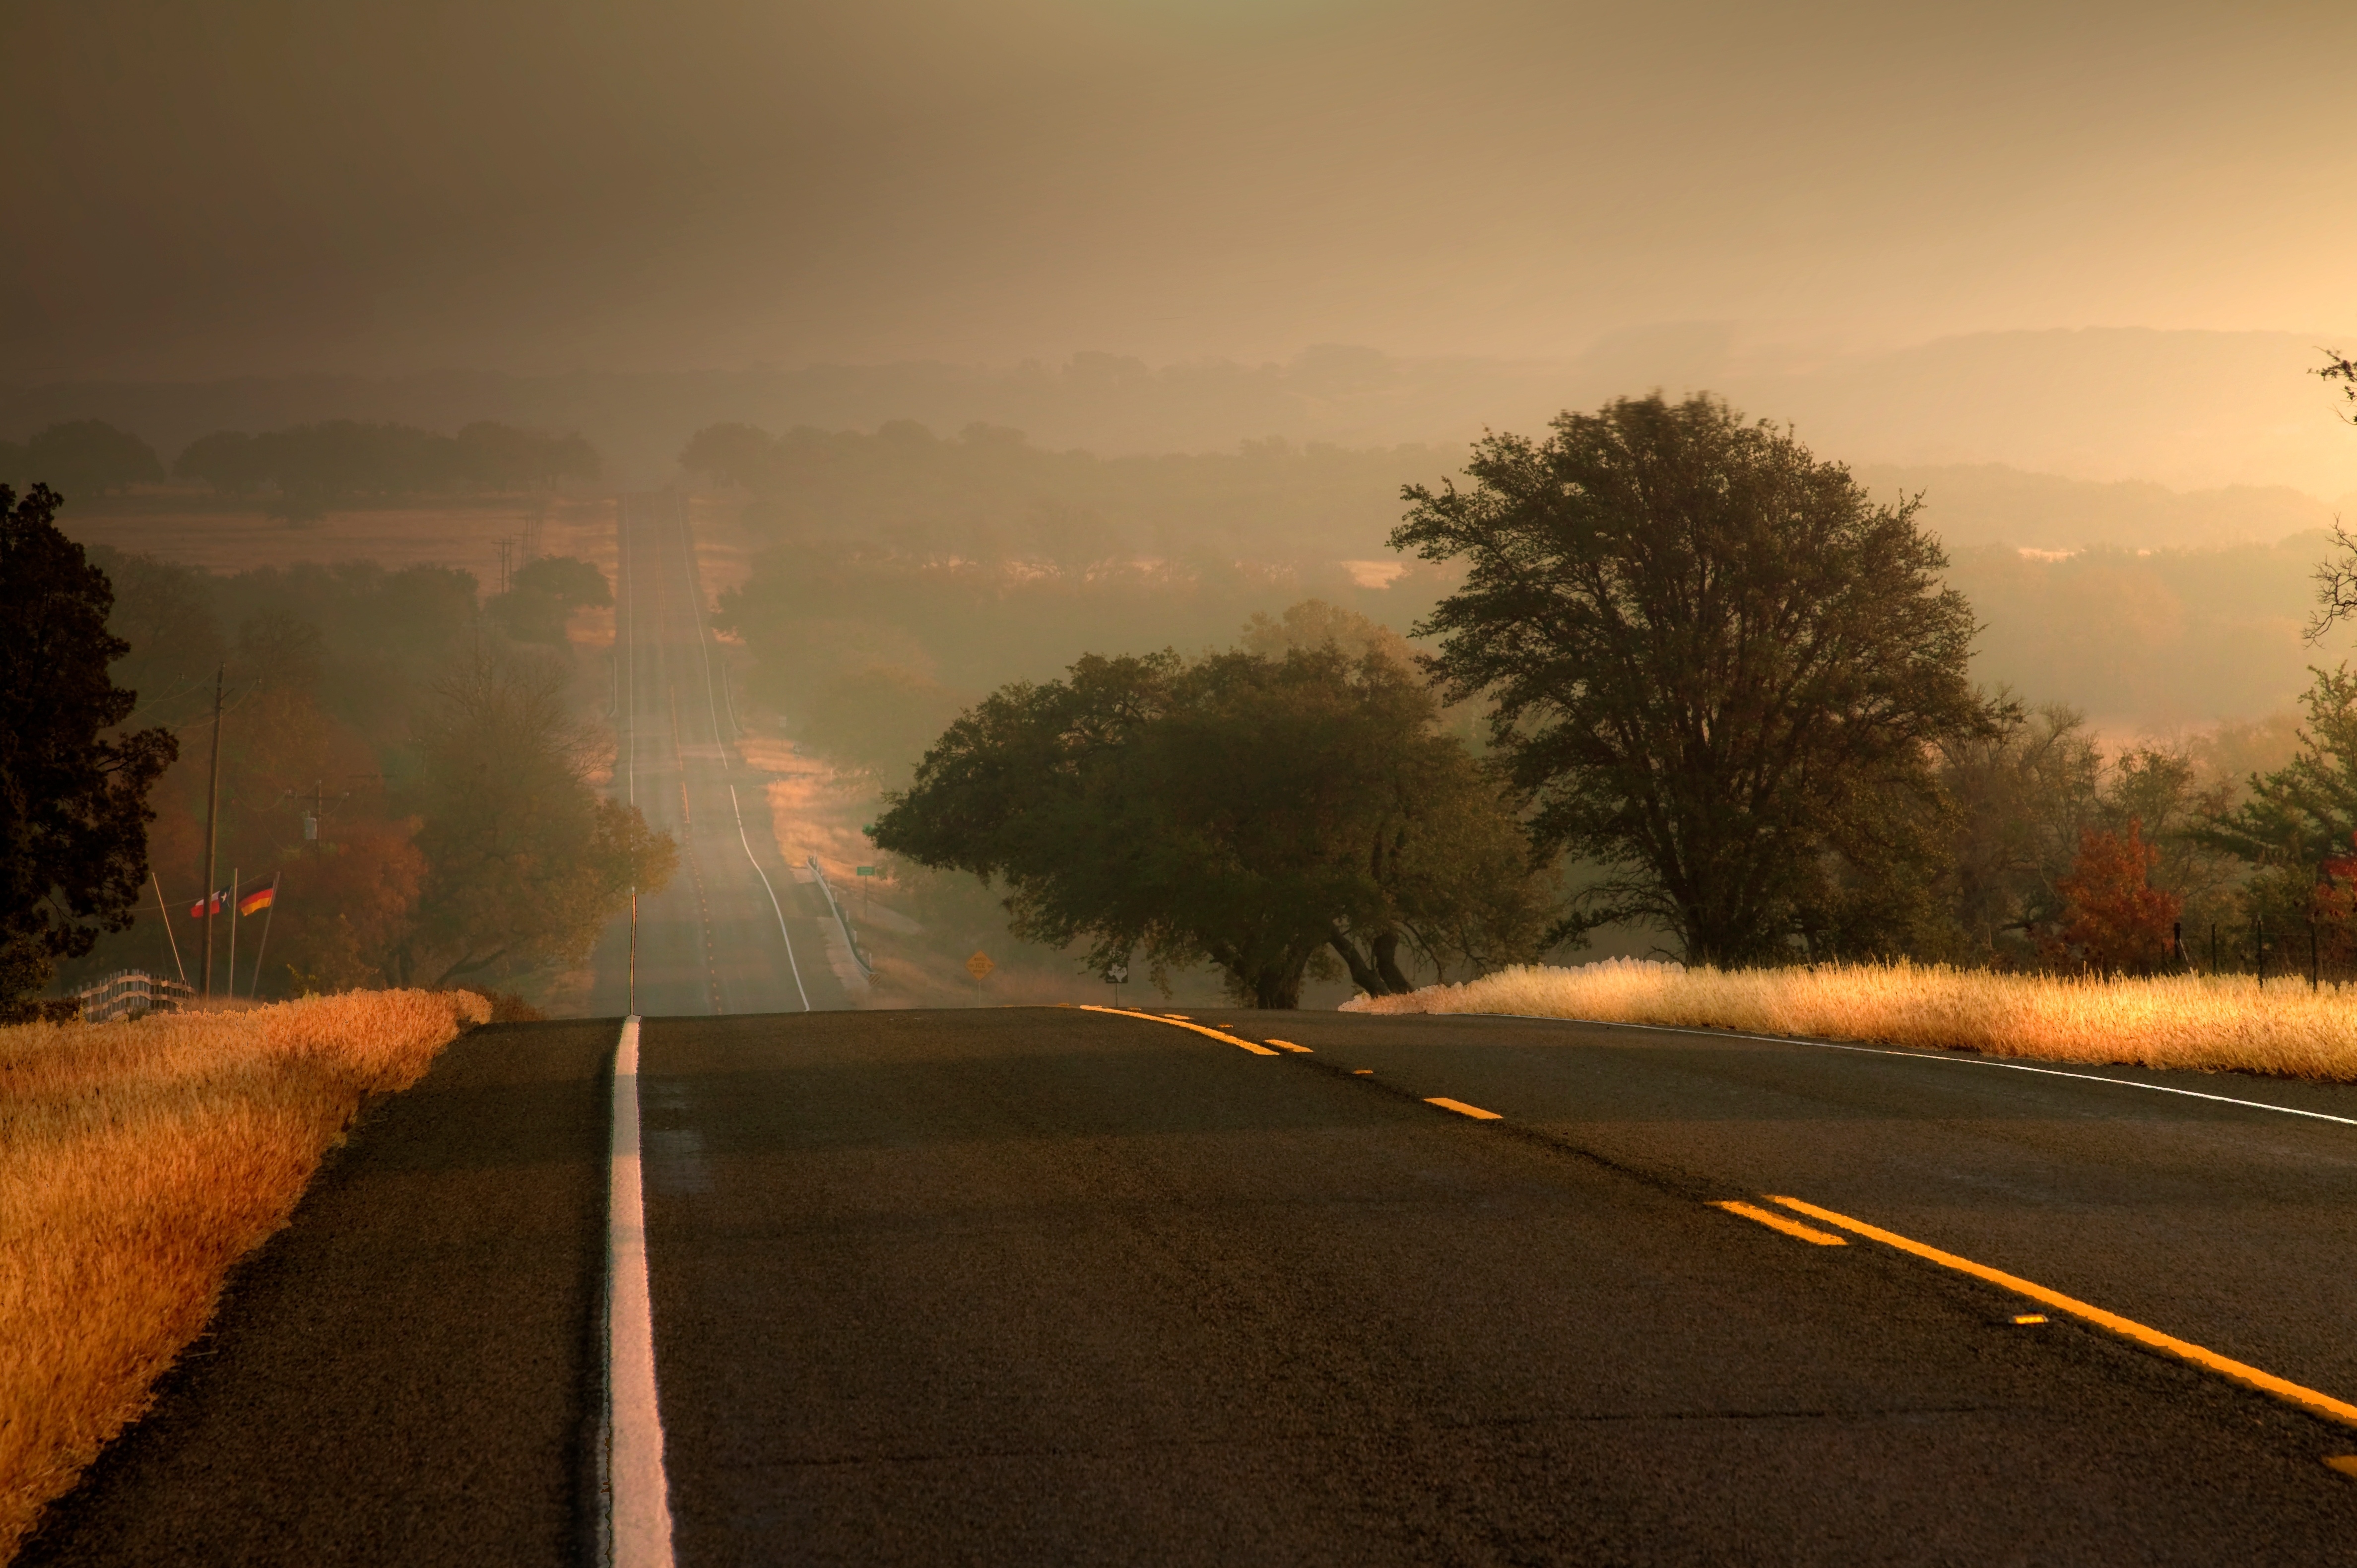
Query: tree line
pixel 1724 698
pixel 303 470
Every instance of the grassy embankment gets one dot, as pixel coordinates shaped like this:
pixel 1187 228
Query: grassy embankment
pixel 138 1161
pixel 2213 1022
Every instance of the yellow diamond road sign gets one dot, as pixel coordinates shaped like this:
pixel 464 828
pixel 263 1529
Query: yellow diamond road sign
pixel 979 966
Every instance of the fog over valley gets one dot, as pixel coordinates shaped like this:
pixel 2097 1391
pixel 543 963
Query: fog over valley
pixel 958 342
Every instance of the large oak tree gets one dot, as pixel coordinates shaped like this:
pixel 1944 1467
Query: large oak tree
pixel 1718 668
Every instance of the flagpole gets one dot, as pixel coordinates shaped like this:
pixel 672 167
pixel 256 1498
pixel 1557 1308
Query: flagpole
pixel 253 991
pixel 212 832
pixel 168 936
pixel 232 933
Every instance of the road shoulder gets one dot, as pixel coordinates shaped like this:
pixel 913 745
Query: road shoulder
pixel 408 1372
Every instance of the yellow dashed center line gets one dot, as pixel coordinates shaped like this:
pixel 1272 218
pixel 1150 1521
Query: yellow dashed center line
pixel 1181 1024
pixel 1462 1109
pixel 1289 1046
pixel 2210 1360
pixel 1778 1222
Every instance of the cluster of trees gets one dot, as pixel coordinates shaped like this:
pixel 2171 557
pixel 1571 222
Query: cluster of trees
pixel 1266 813
pixel 1723 691
pixel 309 468
pixel 542 594
pixel 412 776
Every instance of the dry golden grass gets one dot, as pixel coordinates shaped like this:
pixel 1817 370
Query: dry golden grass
pixel 137 1162
pixel 2213 1023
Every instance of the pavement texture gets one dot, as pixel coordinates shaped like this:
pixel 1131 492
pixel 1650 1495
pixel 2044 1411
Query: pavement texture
pixel 1050 1286
pixel 1038 1286
pixel 410 1372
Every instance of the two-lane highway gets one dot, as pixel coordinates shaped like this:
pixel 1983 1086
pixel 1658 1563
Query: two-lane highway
pixel 1060 1285
pixel 736 930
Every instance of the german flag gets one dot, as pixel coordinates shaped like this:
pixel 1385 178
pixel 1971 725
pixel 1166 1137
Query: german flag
pixel 255 903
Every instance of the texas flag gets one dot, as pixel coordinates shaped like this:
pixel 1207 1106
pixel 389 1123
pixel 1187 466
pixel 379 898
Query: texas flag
pixel 255 903
pixel 219 901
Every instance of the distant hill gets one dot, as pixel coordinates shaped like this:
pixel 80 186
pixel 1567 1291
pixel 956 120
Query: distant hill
pixel 2188 410
pixel 1988 503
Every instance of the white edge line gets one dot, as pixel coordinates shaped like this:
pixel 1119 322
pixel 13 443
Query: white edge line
pixel 637 1531
pixel 771 892
pixel 1920 1056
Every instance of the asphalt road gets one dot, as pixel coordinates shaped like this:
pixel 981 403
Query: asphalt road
pixel 736 930
pixel 1032 1285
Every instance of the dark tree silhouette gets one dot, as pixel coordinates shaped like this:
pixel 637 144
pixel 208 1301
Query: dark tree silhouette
pixel 73 802
pixel 1247 810
pixel 1718 668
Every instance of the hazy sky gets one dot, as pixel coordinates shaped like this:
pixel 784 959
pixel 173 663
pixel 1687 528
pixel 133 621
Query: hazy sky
pixel 209 189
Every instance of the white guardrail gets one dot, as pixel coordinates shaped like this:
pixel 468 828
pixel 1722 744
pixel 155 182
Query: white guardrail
pixel 849 936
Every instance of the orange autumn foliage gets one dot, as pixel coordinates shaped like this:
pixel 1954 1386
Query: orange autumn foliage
pixel 2114 920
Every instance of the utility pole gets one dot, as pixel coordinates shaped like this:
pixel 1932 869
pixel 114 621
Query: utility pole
pixel 233 932
pixel 212 832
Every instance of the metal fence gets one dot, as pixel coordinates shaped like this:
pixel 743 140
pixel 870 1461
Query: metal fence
pixel 128 992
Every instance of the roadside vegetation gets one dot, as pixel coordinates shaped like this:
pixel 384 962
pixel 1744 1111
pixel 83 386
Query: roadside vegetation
pixel 2213 1023
pixel 403 763
pixel 139 1161
pixel 1705 679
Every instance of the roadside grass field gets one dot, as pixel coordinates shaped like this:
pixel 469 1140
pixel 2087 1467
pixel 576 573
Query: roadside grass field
pixel 138 1161
pixel 2213 1022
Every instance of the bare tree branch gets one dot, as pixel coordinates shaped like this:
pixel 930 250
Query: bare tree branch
pixel 2336 585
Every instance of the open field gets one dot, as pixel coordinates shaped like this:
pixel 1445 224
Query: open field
pixel 138 1161
pixel 2209 1023
pixel 196 531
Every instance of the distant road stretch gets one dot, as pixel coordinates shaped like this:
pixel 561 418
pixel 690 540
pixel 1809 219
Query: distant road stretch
pixel 1048 1286
pixel 736 930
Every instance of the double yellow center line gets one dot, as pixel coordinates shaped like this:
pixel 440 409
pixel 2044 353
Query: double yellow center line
pixel 2242 1372
pixel 2283 1389
pixel 1180 1021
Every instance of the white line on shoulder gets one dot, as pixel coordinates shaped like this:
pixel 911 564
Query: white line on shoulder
pixel 637 1519
pixel 1926 1056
